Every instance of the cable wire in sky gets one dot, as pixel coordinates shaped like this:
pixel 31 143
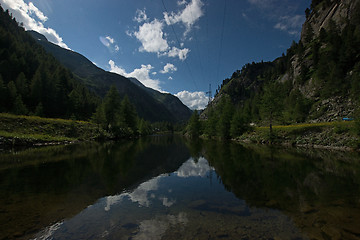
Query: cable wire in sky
pixel 177 39
pixel 197 48
pixel 221 40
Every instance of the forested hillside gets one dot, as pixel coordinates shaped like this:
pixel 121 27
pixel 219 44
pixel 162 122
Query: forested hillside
pixel 33 82
pixel 318 79
pixel 150 104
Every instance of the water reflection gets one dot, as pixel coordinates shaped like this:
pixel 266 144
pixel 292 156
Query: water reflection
pixel 319 190
pixel 182 204
pixel 165 188
pixel 46 185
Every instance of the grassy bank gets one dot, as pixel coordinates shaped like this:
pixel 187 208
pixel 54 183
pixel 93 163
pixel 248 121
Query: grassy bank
pixel 31 130
pixel 335 135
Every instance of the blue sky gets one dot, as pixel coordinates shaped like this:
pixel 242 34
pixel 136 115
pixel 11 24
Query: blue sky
pixel 176 46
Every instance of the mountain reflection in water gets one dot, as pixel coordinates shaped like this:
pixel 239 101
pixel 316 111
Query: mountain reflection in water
pixel 168 188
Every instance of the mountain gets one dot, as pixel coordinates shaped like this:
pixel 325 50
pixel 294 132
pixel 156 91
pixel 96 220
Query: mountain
pixel 150 104
pixel 33 82
pixel 318 79
pixel 172 103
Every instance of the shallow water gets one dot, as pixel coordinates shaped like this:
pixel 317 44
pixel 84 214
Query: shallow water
pixel 167 188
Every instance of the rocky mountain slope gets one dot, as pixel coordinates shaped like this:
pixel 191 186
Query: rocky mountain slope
pixel 318 79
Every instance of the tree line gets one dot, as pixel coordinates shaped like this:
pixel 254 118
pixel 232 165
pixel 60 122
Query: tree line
pixel 257 94
pixel 33 82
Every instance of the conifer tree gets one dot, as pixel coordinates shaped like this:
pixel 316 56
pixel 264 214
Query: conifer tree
pixel 194 126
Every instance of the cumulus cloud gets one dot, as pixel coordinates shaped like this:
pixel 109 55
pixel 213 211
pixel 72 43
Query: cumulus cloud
pixel 142 74
pixel 33 19
pixel 290 24
pixel 140 16
pixel 169 68
pixel 180 53
pixel 188 16
pixel 151 36
pixel 194 100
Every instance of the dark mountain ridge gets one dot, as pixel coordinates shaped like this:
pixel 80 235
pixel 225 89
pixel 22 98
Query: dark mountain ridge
pixel 33 82
pixel 150 104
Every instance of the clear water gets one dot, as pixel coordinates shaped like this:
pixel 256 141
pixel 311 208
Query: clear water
pixel 167 188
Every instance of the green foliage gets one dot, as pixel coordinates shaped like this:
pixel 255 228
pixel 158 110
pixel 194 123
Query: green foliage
pixel 296 107
pixel 128 112
pixel 239 125
pixel 211 122
pixel 33 78
pixel 272 101
pixel 99 117
pixel 19 107
pixel 226 111
pixel 118 117
pixel 194 126
pixel 39 110
pixel 112 107
pixel 266 91
pixel 144 128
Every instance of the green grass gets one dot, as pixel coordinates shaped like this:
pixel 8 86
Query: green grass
pixel 330 134
pixel 32 129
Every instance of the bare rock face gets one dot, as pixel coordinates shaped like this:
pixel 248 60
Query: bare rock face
pixel 302 67
pixel 338 11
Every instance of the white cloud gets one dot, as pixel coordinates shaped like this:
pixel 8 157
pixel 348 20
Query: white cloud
pixel 194 100
pixel 142 74
pixel 110 39
pixel 194 169
pixel 290 24
pixel 33 19
pixel 153 40
pixel 40 15
pixel 140 16
pixel 168 68
pixel 180 53
pixel 151 36
pixel 109 42
pixel 180 3
pixel 192 12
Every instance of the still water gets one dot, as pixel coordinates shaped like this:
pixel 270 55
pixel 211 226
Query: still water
pixel 167 188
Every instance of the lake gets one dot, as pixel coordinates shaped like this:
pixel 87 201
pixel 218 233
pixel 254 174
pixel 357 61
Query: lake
pixel 165 187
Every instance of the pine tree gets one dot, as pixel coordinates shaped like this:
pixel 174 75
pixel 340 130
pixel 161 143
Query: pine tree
pixel 112 107
pixel 39 110
pixel 3 95
pixel 271 106
pixel 211 123
pixel 18 107
pixel 128 114
pixel 194 126
pixel 238 125
pixel 224 123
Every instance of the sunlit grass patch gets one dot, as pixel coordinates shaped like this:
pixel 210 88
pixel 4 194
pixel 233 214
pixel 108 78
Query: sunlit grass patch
pixel 35 137
pixel 32 128
pixel 334 134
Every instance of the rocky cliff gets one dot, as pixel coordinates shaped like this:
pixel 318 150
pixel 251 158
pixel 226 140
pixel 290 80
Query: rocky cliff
pixel 318 78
